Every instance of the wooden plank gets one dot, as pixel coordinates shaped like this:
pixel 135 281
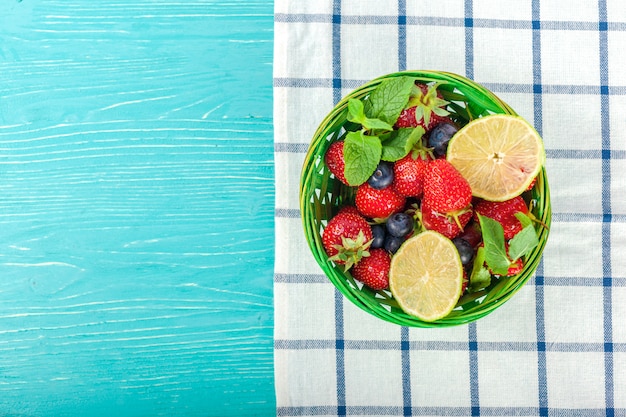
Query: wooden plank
pixel 136 218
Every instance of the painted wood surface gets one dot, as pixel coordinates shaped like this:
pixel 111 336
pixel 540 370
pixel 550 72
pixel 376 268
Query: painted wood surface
pixel 136 208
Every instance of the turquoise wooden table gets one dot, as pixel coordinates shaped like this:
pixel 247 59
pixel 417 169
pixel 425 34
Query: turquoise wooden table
pixel 136 208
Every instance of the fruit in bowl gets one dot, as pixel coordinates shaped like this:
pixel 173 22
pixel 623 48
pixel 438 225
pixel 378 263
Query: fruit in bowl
pixel 425 200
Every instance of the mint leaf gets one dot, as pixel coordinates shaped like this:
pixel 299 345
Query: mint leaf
pixel 480 278
pixel 401 143
pixel 356 115
pixel 524 219
pixel 355 111
pixel 389 98
pixel 371 124
pixel 495 251
pixel 361 154
pixel 523 242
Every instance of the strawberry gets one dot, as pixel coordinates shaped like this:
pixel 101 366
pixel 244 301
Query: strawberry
pixel 347 238
pixel 408 118
pixel 335 161
pixel 445 189
pixel 378 204
pixel 408 175
pixel 504 213
pixel 373 271
pixel 349 210
pixel 426 108
pixel 447 225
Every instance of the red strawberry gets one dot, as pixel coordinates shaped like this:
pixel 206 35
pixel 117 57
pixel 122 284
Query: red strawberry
pixel 408 175
pixel 335 162
pixel 408 118
pixel 349 210
pixel 532 184
pixel 347 238
pixel 449 226
pixel 445 189
pixel 378 204
pixel 373 271
pixel 425 108
pixel 504 213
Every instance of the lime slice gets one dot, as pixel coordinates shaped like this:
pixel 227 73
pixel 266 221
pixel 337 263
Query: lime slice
pixel 426 276
pixel 499 155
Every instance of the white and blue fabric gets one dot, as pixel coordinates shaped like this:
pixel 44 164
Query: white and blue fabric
pixel 558 347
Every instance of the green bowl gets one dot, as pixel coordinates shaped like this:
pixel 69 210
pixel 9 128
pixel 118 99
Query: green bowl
pixel 321 196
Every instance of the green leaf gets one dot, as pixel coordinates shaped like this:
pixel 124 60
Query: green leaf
pixel 524 219
pixel 356 115
pixel 355 111
pixel 523 242
pixel 495 251
pixel 389 98
pixel 361 154
pixel 371 124
pixel 480 277
pixel 401 143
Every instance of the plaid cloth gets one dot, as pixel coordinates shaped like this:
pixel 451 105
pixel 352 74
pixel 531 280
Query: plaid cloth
pixel 558 347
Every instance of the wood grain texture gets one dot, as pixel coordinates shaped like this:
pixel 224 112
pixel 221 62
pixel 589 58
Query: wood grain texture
pixel 136 208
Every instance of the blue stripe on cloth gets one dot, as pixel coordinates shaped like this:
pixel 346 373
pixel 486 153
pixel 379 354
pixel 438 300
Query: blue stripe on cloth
pixel 339 355
pixel 300 278
pixel 588 217
pixel 339 331
pixel 589 26
pixel 336 40
pixel 303 82
pixel 539 293
pixel 388 345
pixel 401 35
pixel 405 348
pixel 469 39
pixel 542 375
pixel 291 147
pixel 473 346
pixel 284 147
pixel 443 411
pixel 473 370
pixel 563 89
pixel 286 213
pixel 606 206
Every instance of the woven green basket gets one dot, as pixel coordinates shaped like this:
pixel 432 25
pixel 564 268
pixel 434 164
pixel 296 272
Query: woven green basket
pixel 321 195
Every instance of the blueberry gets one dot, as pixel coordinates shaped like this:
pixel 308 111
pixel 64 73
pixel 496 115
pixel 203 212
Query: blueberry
pixel 378 232
pixel 399 224
pixel 392 243
pixel 382 176
pixel 439 137
pixel 466 252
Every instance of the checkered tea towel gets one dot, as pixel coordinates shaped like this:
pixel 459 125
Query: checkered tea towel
pixel 558 347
